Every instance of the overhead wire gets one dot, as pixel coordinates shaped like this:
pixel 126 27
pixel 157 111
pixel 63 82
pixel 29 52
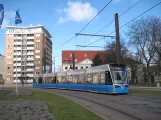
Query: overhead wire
pixel 129 21
pixel 85 25
pixel 114 20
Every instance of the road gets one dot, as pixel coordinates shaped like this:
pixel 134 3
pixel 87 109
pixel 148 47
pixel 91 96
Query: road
pixel 146 88
pixel 120 107
pixel 111 107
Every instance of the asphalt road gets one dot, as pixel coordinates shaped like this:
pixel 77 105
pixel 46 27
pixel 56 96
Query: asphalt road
pixel 111 107
pixel 146 88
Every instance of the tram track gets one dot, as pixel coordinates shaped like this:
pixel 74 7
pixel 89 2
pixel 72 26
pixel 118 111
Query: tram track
pixel 113 107
pixel 95 102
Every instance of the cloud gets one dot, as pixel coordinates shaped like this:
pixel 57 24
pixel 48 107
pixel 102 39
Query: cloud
pixel 77 11
pixel 8 16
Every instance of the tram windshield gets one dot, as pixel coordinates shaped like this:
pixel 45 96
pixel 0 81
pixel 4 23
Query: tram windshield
pixel 119 74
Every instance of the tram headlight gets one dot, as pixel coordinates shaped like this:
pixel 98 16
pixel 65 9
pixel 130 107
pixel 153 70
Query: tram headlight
pixel 116 86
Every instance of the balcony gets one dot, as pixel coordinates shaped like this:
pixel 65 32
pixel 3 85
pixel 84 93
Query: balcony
pixel 18 48
pixel 30 69
pixel 30 53
pixel 30 43
pixel 17 38
pixel 18 43
pixel 30 75
pixel 18 64
pixel 30 48
pixel 31 37
pixel 18 70
pixel 18 75
pixel 18 59
pixel 17 53
pixel 30 64
pixel 30 59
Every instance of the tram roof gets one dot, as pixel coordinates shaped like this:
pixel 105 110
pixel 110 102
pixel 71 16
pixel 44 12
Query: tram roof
pixel 100 68
pixel 76 72
pixel 49 75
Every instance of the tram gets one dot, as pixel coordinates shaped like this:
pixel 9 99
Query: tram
pixel 108 78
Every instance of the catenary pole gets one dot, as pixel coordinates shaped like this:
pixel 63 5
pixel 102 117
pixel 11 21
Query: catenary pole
pixel 117 39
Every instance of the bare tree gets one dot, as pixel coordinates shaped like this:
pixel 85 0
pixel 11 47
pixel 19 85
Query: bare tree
pixel 110 54
pixel 143 35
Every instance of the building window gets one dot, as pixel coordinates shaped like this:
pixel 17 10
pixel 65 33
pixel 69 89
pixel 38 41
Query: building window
pixel 9 73
pixel 37 51
pixel 66 68
pixel 37 56
pixel 9 52
pixel 37 62
pixel 37 67
pixel 76 68
pixel 37 40
pixel 70 54
pixel 9 67
pixel 30 35
pixel 9 40
pixel 9 56
pixel 85 55
pixel 9 62
pixel 86 66
pixel 76 60
pixel 37 35
pixel 81 67
pixel 9 36
pixel 8 78
pixel 37 46
pixel 9 46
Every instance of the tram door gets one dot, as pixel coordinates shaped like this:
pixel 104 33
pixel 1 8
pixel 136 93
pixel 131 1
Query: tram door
pixel 108 82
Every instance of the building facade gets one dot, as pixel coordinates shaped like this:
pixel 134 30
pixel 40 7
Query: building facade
pixel 1 68
pixel 29 50
pixel 83 59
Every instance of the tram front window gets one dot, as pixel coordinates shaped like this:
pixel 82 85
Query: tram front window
pixel 119 77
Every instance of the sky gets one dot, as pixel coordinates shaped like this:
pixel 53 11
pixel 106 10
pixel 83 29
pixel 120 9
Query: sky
pixel 64 18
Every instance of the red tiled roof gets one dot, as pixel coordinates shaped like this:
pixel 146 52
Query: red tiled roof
pixel 79 55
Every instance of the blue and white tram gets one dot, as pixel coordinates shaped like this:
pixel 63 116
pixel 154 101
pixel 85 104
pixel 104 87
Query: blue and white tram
pixel 109 78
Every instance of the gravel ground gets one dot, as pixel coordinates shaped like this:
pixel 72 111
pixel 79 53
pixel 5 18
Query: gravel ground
pixel 23 109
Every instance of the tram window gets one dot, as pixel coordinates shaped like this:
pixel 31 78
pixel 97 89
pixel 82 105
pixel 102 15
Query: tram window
pixel 102 81
pixel 89 79
pixel 81 79
pixel 54 79
pixel 75 79
pixel 59 80
pixel 63 80
pixel 95 78
pixel 108 78
pixel 69 79
pixel 40 80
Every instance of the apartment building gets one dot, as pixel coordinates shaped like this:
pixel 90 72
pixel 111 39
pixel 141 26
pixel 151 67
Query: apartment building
pixel 1 68
pixel 29 50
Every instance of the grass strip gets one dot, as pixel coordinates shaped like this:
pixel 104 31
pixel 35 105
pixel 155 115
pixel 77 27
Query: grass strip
pixel 60 107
